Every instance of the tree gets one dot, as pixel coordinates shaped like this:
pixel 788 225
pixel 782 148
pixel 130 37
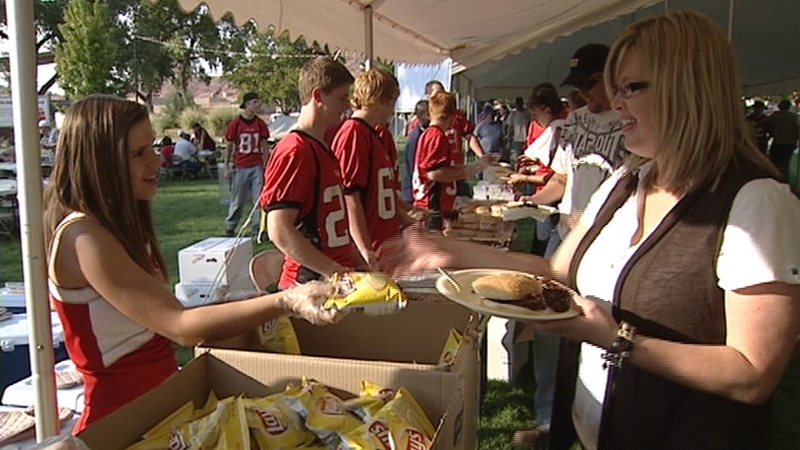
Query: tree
pixel 269 65
pixel 87 56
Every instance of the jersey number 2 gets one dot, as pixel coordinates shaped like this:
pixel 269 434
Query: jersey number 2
pixel 329 195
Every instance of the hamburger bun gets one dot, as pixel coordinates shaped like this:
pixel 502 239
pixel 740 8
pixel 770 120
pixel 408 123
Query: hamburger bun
pixel 483 210
pixel 506 287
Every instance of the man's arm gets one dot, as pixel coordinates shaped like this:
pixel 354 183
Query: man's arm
pixel 551 192
pixel 289 240
pixel 475 145
pixel 228 158
pixel 358 228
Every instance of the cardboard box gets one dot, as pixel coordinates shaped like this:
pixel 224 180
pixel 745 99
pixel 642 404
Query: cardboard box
pixel 254 374
pixel 215 260
pixel 407 342
pixel 198 294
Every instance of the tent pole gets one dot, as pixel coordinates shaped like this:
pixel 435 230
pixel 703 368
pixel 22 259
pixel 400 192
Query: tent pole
pixel 368 49
pixel 730 20
pixel 29 192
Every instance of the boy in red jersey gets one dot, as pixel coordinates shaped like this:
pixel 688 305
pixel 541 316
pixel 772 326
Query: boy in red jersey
pixel 368 159
pixel 247 138
pixel 436 163
pixel 303 195
pixel 459 129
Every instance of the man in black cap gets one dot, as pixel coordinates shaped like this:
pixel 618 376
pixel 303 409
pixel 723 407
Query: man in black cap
pixel 247 151
pixel 591 148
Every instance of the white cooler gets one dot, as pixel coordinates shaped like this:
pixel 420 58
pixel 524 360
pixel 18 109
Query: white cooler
pixel 215 260
pixel 14 354
pixel 198 294
pixel 12 300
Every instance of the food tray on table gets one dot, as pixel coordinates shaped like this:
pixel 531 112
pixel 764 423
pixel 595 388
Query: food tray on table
pixel 519 210
pixel 481 221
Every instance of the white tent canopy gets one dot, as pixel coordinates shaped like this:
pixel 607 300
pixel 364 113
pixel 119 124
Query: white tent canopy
pixel 765 37
pixel 425 31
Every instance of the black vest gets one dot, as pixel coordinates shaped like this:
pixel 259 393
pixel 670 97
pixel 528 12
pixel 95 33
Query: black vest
pixel 668 290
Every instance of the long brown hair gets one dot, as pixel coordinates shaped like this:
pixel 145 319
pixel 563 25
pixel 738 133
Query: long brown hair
pixel 697 98
pixel 91 175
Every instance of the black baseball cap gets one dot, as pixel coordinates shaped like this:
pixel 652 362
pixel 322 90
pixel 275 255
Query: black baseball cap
pixel 247 97
pixel 586 61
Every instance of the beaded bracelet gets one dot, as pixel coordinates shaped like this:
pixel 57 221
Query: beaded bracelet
pixel 621 348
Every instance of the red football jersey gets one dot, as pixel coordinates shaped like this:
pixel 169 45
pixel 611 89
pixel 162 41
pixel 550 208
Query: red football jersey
pixel 433 152
pixel 247 136
pixel 388 142
pixel 302 173
pixel 367 168
pixel 460 127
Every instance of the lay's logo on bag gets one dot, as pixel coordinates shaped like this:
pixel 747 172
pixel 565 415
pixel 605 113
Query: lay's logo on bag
pixel 271 423
pixel 417 440
pixel 381 431
pixel 176 442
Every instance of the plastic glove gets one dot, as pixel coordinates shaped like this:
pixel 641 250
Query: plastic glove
pixel 419 214
pixel 306 301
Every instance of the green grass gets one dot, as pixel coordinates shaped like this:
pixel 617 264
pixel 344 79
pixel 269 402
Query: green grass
pixel 189 211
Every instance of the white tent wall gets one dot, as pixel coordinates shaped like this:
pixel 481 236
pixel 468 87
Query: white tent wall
pixel 412 79
pixel 765 37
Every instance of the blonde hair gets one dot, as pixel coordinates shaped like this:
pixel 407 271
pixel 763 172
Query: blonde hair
pixel 324 73
pixel 373 86
pixel 697 98
pixel 441 105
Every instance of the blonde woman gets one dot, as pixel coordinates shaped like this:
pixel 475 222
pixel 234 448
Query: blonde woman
pixel 687 260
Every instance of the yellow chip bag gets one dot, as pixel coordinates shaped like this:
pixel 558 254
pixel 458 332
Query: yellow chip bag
pixel 208 408
pixel 233 434
pixel 450 350
pixel 278 336
pixel 201 433
pixel 405 407
pixel 274 425
pixel 370 400
pixel 324 413
pixel 387 433
pixel 373 292
pixel 179 417
pixel 401 424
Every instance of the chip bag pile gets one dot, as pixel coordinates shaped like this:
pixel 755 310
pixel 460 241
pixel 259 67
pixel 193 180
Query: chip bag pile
pixel 372 292
pixel 307 416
